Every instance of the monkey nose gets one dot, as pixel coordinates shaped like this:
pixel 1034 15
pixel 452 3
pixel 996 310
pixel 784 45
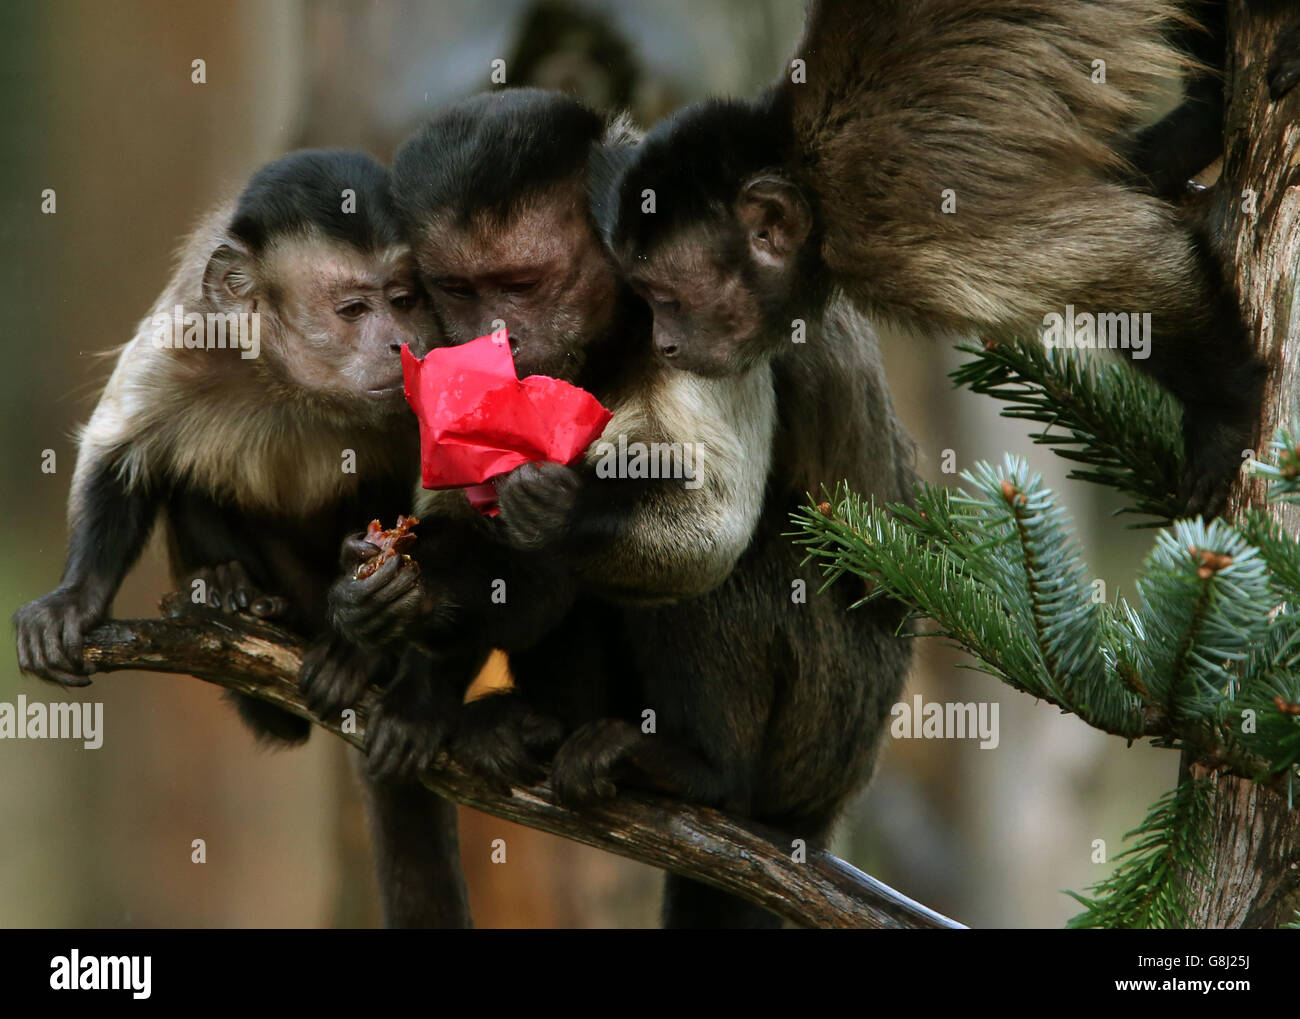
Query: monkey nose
pixel 668 349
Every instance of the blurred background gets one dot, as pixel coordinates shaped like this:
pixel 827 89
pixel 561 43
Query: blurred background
pixel 98 104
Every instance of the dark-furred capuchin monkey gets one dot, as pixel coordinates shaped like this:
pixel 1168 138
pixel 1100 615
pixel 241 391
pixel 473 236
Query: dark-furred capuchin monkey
pixel 260 409
pixel 722 675
pixel 950 164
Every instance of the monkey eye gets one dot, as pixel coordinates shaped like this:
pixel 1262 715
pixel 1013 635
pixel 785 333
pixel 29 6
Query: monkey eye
pixel 404 302
pixel 453 288
pixel 518 286
pixel 664 302
pixel 353 310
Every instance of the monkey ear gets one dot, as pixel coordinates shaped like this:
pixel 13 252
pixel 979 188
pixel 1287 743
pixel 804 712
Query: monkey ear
pixel 776 219
pixel 228 277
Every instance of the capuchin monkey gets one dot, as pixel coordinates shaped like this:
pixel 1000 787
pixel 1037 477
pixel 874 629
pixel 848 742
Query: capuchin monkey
pixel 505 245
pixel 683 593
pixel 259 409
pixel 948 164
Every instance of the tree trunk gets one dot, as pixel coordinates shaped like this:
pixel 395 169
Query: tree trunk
pixel 1254 875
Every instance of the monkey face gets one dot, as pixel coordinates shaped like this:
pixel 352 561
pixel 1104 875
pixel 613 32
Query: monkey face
pixel 708 315
pixel 722 285
pixel 339 317
pixel 541 274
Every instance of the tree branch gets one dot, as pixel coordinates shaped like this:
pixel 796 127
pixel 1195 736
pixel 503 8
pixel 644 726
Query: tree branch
pixel 251 657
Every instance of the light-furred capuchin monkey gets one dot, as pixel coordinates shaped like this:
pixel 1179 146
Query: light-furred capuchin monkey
pixel 950 164
pixel 260 408
pixel 723 676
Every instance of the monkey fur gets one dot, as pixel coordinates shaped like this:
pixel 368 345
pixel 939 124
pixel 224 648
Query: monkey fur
pixel 764 208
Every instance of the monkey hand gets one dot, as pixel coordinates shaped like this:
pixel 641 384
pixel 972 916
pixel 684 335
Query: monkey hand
pixel 504 741
pixel 378 609
pixel 409 726
pixel 609 752
pixel 227 587
pixel 334 675
pixel 1214 447
pixel 1284 62
pixel 537 503
pixel 50 632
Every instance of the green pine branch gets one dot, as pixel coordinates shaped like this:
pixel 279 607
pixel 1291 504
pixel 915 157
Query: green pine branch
pixel 1148 886
pixel 1284 475
pixel 997 569
pixel 1205 594
pixel 1207 658
pixel 1121 426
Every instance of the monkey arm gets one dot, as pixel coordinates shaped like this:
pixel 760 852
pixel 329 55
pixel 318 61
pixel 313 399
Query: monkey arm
pixel 110 521
pixel 656 541
pixel 432 621
pixel 667 500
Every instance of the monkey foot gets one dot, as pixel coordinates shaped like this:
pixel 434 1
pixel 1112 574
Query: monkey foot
pixel 334 675
pixel 504 741
pixel 228 588
pixel 586 767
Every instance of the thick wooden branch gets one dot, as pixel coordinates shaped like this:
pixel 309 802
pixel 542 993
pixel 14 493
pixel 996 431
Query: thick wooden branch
pixel 241 654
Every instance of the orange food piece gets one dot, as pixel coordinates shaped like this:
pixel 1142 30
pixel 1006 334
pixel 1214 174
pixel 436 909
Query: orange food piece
pixel 393 541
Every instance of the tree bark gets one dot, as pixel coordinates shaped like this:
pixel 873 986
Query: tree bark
pixel 1254 875
pixel 254 658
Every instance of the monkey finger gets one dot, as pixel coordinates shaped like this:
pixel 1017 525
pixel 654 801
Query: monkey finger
pixel 332 685
pixel 229 586
pixel 29 659
pixel 487 770
pixel 51 667
pixel 55 657
pixel 1284 62
pixel 355 551
pixel 64 678
pixel 269 606
pixel 413 758
pixel 404 605
pixel 241 587
pixel 72 637
pixel 605 788
pixel 225 584
pixel 394 586
pixel 383 573
pixel 389 624
pixel 381 749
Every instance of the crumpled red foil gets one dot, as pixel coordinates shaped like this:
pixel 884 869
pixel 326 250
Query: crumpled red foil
pixel 478 420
